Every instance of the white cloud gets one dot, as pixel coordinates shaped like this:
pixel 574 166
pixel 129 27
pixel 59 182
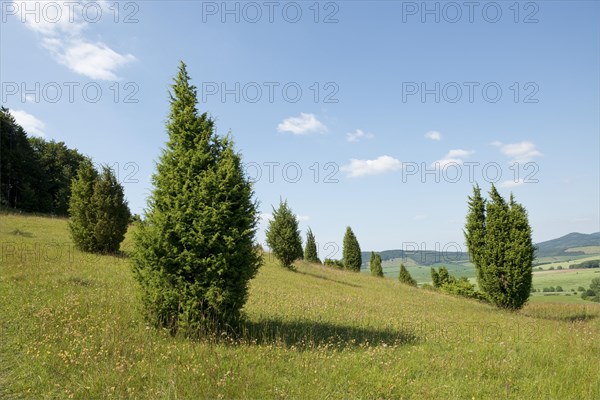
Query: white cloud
pixel 433 135
pixel 30 123
pixel 49 17
pixel 378 166
pixel 61 26
pixel 302 218
pixel 521 152
pixel 511 184
pixel 357 135
pixel 444 162
pixel 94 60
pixel 420 217
pixel 454 156
pixel 459 153
pixel 304 124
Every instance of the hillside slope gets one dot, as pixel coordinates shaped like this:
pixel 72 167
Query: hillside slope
pixel 70 327
pixel 558 246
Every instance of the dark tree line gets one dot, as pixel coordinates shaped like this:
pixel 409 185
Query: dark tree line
pixel 35 174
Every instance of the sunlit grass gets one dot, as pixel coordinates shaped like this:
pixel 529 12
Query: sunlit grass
pixel 70 327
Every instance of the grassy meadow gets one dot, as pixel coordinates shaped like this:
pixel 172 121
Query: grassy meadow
pixel 70 327
pixel 565 262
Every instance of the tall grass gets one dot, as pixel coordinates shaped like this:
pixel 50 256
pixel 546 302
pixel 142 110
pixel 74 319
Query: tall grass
pixel 71 327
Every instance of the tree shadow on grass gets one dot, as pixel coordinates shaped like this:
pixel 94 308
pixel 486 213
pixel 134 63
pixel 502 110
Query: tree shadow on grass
pixel 329 279
pixel 305 335
pixel 562 312
pixel 579 317
pixel 574 317
pixel 18 232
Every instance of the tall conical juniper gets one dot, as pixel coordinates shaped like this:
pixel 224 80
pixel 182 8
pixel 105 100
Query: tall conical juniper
pixel 351 251
pixel 310 250
pixel 475 234
pixel 283 235
pixel 194 252
pixel 375 265
pixel 499 241
pixel 82 217
pixel 405 277
pixel 98 211
pixel 110 212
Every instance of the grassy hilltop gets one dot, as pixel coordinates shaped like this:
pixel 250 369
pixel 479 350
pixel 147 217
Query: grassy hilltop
pixel 70 327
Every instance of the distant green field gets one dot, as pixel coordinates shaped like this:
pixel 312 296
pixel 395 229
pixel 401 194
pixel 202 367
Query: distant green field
pixel 565 264
pixel 422 273
pixel 395 263
pixel 563 261
pixel 568 279
pixel 573 298
pixel 585 249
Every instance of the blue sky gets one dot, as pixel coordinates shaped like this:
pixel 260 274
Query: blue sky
pixel 382 109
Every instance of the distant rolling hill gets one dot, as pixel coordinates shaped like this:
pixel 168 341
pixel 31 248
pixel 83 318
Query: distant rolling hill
pixel 420 257
pixel 550 248
pixel 559 246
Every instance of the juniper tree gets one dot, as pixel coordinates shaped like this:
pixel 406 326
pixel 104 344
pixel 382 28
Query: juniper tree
pixel 500 245
pixel 299 249
pixel 310 250
pixel 497 237
pixel 595 286
pixel 110 213
pixel 194 252
pixel 283 235
pixel 444 277
pixel 475 233
pixel 351 251
pixel 82 217
pixel 375 264
pixel 435 278
pixel 519 258
pixel 98 211
pixel 404 276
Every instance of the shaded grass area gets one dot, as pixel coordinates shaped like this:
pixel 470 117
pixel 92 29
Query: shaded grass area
pixel 307 273
pixel 563 312
pixel 315 334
